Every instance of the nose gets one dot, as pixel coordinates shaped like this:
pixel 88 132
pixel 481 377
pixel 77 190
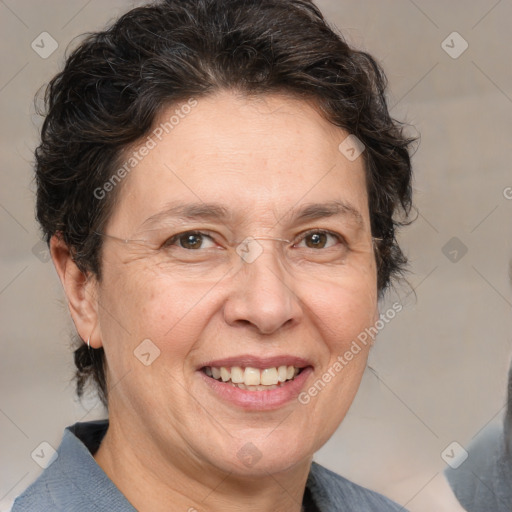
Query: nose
pixel 263 295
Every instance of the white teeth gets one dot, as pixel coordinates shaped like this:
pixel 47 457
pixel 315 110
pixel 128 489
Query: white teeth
pixel 253 379
pixel 269 376
pixel 237 375
pixel 252 376
pixel 224 374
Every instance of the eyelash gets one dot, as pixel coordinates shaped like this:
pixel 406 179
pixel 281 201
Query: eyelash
pixel 172 240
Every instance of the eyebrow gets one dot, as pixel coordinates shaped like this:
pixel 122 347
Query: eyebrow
pixel 217 212
pixel 314 211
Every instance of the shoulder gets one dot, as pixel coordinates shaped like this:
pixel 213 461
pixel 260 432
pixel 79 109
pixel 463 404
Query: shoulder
pixel 333 492
pixel 73 481
pixel 38 496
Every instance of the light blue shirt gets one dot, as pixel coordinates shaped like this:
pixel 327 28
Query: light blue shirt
pixel 75 483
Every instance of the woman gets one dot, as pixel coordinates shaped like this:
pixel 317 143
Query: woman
pixel 219 184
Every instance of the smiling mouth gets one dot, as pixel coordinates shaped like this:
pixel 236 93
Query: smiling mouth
pixel 253 379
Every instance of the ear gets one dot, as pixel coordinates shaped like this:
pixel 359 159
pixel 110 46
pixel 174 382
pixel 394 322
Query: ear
pixel 80 290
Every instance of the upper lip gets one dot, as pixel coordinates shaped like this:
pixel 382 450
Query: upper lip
pixel 258 362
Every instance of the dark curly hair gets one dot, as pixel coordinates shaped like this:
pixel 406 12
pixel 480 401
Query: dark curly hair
pixel 116 82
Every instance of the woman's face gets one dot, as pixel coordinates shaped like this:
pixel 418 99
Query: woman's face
pixel 233 168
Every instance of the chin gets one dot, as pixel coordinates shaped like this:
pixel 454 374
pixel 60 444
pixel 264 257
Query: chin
pixel 270 452
pixel 266 464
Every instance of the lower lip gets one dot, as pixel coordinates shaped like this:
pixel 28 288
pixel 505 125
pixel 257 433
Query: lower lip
pixel 259 400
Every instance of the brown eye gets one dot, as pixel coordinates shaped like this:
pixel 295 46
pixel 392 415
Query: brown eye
pixel 319 239
pixel 190 240
pixel 316 240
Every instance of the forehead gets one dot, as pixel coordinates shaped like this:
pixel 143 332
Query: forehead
pixel 264 156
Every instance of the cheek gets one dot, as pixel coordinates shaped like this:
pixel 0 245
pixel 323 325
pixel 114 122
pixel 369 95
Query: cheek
pixel 340 315
pixel 144 305
pixel 342 311
pixel 151 308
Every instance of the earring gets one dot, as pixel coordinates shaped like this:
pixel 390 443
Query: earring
pixel 89 342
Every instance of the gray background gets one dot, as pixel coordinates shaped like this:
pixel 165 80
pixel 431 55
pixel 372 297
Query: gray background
pixel 440 365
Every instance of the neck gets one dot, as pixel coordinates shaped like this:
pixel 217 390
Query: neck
pixel 150 482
